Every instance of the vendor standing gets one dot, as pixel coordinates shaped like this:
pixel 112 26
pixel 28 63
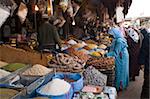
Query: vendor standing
pixel 48 35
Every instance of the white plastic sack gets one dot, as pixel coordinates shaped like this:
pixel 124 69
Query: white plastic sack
pixel 3 16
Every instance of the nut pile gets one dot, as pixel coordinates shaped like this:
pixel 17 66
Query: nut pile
pixel 102 63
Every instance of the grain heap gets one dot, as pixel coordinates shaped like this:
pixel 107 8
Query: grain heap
pixel 55 87
pixel 7 93
pixel 3 63
pixel 3 73
pixel 37 70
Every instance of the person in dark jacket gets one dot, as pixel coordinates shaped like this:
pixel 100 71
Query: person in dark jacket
pixel 134 43
pixel 144 60
pixel 48 35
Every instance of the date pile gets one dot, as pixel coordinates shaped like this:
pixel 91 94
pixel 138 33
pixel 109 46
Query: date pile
pixel 102 63
pixel 65 63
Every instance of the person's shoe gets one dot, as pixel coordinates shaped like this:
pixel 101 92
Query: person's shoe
pixel 133 78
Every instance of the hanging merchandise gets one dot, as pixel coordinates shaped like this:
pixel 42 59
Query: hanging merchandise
pixel 4 14
pixel 50 8
pixel 25 1
pixel 8 5
pixel 70 9
pixel 119 14
pixel 22 12
pixel 64 5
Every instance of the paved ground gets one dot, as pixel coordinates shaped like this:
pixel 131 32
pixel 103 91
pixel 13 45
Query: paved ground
pixel 134 89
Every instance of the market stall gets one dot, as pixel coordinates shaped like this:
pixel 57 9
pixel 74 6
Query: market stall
pixel 79 70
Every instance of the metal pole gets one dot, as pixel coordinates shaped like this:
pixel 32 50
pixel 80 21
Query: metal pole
pixel 35 23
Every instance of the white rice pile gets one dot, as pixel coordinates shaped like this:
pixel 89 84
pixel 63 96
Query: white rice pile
pixel 3 73
pixel 37 70
pixel 55 87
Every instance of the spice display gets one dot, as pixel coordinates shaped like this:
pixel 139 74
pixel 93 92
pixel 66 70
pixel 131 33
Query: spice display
pixel 92 46
pixel 7 93
pixel 3 63
pixel 102 46
pixel 79 45
pixel 65 63
pixel 13 67
pixel 90 42
pixel 79 54
pixel 96 54
pixel 94 77
pixel 102 63
pixel 37 70
pixel 55 87
pixel 3 73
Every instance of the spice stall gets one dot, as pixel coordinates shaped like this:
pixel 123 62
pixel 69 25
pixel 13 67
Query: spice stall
pixel 79 71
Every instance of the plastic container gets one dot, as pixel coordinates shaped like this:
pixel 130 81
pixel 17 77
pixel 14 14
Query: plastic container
pixel 77 85
pixel 64 96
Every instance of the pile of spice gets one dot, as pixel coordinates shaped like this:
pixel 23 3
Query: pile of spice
pixel 37 70
pixel 3 73
pixel 55 87
pixel 6 93
pixel 13 67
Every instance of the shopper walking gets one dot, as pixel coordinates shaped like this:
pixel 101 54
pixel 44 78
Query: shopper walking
pixel 120 52
pixel 134 40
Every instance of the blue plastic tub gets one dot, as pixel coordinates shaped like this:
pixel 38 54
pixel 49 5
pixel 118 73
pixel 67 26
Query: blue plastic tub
pixel 48 79
pixel 77 85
